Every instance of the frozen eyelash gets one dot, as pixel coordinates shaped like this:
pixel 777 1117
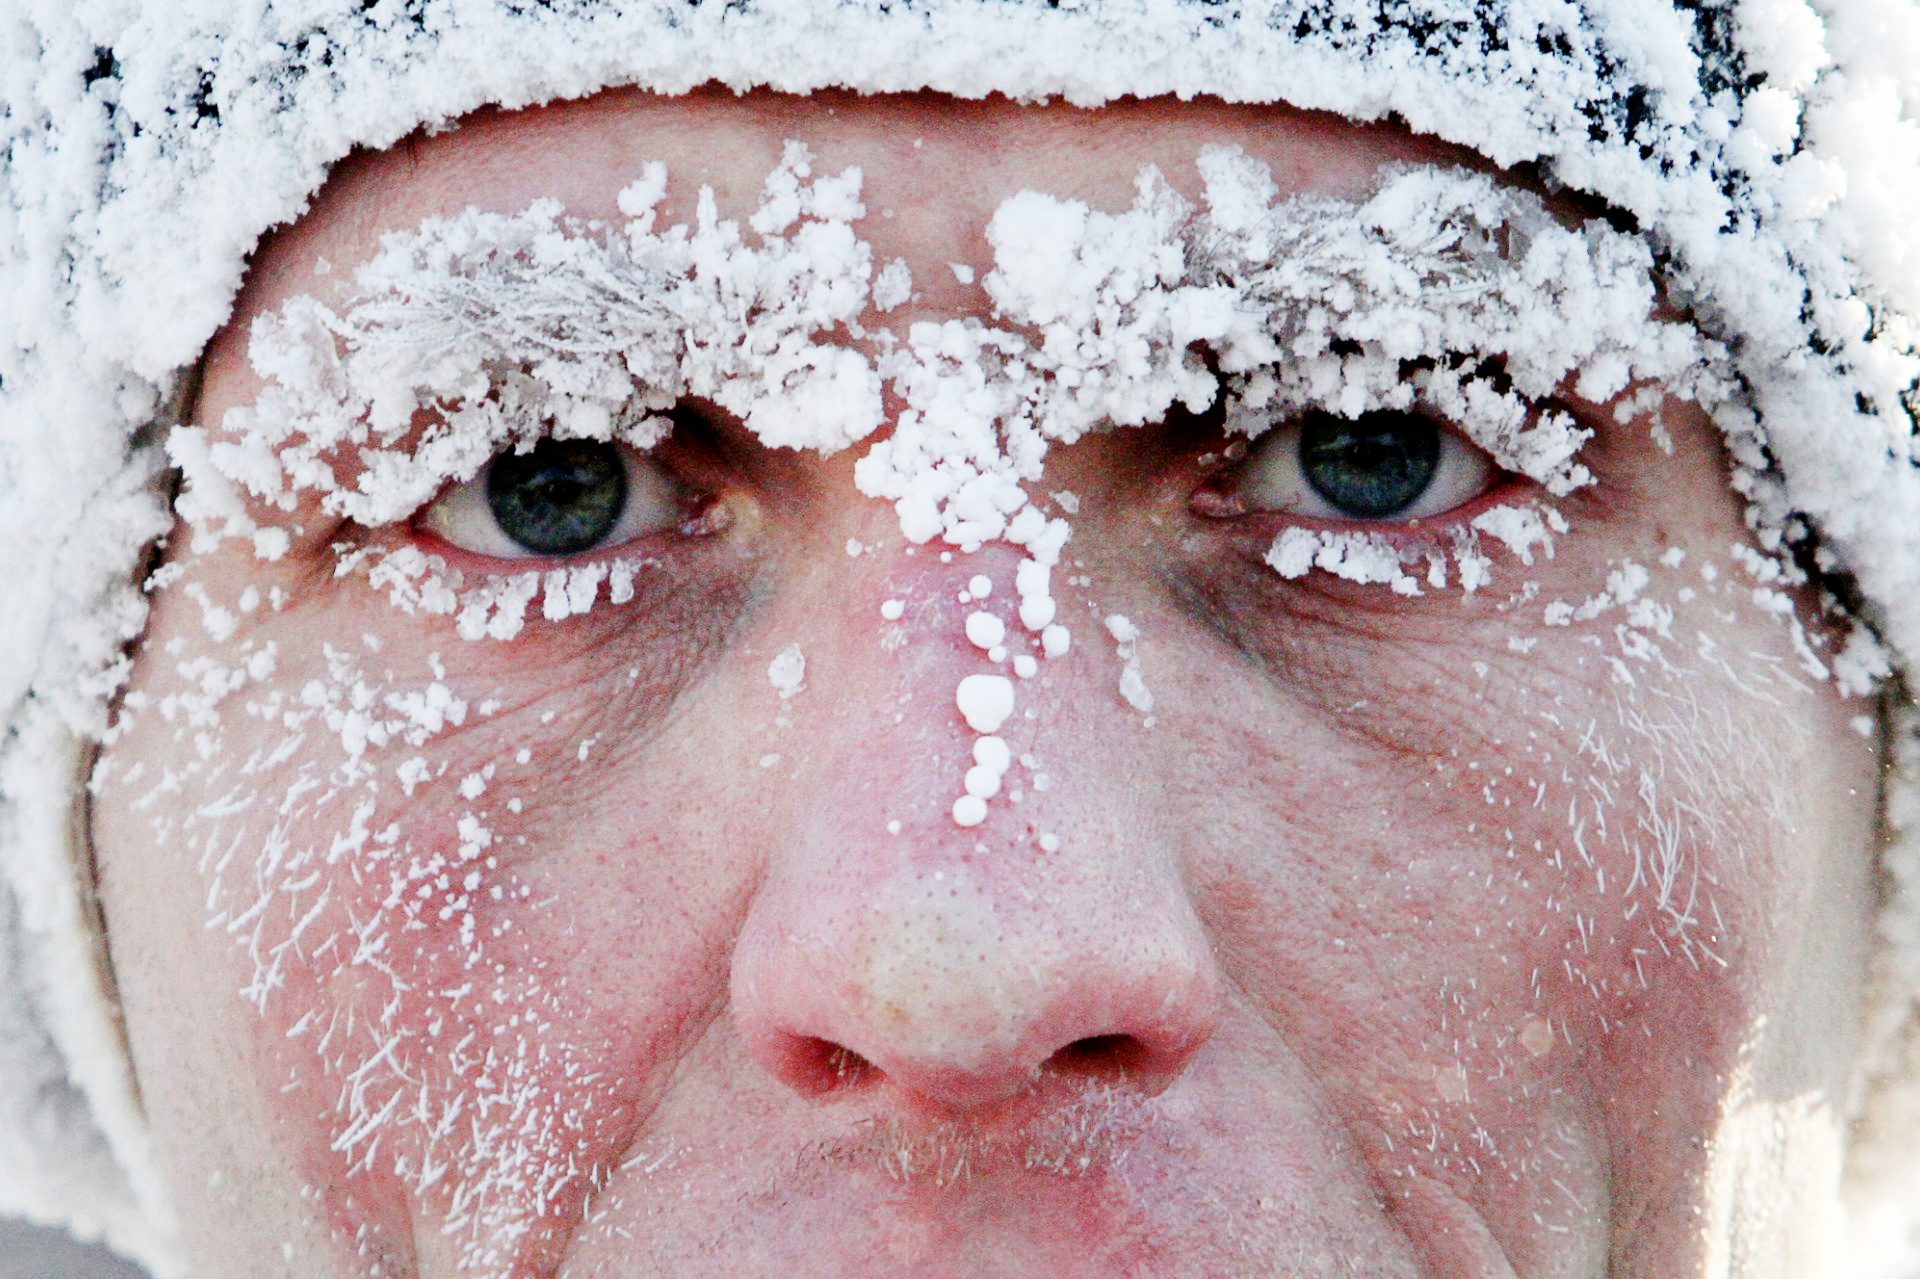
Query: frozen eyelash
pixel 501 328
pixel 1527 531
pixel 1334 304
pixel 504 328
pixel 496 607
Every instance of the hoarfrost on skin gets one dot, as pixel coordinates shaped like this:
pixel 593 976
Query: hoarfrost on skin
pixel 788 671
pixel 1444 290
pixel 1100 320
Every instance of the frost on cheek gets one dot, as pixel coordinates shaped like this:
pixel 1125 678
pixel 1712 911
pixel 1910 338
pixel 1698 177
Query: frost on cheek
pixel 787 672
pixel 354 857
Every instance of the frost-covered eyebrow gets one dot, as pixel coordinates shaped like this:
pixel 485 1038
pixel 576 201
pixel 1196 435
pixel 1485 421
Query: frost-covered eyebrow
pixel 512 327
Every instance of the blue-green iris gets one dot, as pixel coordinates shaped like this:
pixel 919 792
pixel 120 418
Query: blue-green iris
pixel 561 497
pixel 1372 466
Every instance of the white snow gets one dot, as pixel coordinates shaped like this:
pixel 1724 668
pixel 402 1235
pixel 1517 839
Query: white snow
pixel 984 630
pixel 985 701
pixel 787 672
pixel 992 753
pixel 969 810
pixel 1782 213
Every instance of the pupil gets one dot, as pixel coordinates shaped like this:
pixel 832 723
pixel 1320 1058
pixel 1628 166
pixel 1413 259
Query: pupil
pixel 1372 466
pixel 559 498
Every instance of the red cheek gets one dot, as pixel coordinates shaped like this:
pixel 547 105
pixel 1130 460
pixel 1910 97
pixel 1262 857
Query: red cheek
pixel 432 1040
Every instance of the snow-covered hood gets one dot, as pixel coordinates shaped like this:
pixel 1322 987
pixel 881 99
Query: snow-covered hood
pixel 1769 150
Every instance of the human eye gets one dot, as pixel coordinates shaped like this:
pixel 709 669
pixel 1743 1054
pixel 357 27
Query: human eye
pixel 1383 466
pixel 559 499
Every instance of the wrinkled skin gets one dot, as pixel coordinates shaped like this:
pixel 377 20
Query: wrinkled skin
pixel 1320 981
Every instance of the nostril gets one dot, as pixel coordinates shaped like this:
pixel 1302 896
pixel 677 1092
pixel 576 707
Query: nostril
pixel 1099 1056
pixel 928 992
pixel 845 1066
pixel 816 1065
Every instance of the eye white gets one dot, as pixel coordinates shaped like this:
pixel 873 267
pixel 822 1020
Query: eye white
pixel 464 516
pixel 1271 478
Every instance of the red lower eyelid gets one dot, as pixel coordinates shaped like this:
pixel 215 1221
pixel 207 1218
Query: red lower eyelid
pixel 465 561
pixel 1506 488
pixel 472 563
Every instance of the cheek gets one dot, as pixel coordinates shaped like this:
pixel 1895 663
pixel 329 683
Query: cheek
pixel 1524 911
pixel 1488 794
pixel 370 958
pixel 394 886
pixel 1515 913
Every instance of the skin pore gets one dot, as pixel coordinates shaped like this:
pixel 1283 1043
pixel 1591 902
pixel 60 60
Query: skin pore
pixel 1409 935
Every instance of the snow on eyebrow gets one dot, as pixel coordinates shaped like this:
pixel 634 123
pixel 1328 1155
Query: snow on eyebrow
pixel 506 328
pixel 1445 289
pixel 1438 263
pixel 483 332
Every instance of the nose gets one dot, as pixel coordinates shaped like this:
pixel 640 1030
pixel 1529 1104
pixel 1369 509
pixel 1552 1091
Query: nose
pixel 889 948
pixel 960 990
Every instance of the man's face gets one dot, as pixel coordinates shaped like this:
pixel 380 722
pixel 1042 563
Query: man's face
pixel 1307 928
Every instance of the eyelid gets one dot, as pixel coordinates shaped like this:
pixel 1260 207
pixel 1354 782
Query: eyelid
pixel 462 516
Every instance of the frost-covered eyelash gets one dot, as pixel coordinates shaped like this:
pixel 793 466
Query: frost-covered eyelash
pixel 496 605
pixel 1527 530
pixel 1409 295
pixel 507 327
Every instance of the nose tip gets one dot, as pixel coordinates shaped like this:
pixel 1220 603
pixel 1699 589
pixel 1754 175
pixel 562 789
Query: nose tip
pixel 959 1005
